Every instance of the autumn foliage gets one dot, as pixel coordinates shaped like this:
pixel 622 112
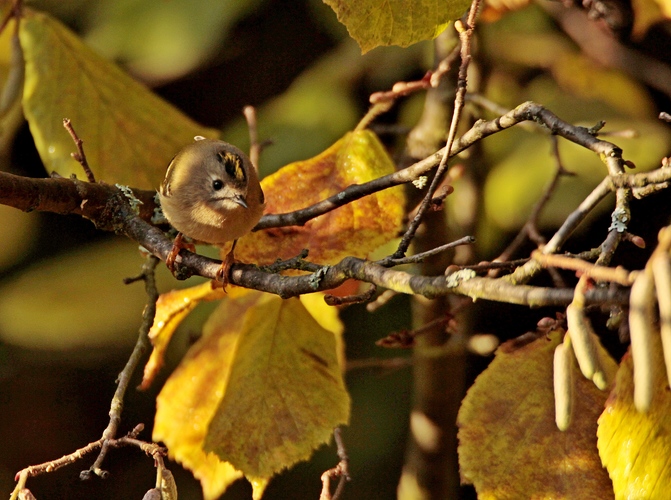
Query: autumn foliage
pixel 577 408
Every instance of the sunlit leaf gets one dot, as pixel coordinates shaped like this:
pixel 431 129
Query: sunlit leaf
pixel 357 228
pixel 635 447
pixel 373 23
pixel 171 308
pixel 129 133
pixel 260 390
pixel 12 78
pixel 647 13
pixel 576 73
pixel 509 444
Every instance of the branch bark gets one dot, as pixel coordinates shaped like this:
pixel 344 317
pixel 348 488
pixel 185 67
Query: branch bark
pixel 127 212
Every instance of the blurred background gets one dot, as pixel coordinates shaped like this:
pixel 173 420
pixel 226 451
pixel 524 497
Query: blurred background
pixel 68 324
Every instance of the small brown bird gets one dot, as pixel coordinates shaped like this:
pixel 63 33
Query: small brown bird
pixel 211 193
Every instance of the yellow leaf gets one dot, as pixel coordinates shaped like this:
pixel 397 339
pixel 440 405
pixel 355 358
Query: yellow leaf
pixel 129 133
pixel 647 13
pixel 328 318
pixel 171 308
pixel 357 228
pixel 11 76
pixel 635 447
pixel 285 393
pixel 509 445
pixel 373 23
pixel 189 398
pixel 577 74
pixel 259 391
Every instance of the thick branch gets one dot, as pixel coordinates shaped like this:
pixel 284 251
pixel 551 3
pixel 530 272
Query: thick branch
pixel 112 210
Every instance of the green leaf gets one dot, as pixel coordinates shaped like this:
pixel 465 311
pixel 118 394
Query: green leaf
pixel 129 133
pixel 373 23
pixel 176 36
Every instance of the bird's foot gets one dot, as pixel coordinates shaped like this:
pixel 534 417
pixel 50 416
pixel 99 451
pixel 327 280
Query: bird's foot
pixel 177 246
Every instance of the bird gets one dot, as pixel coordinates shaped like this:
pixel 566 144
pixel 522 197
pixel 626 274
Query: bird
pixel 211 194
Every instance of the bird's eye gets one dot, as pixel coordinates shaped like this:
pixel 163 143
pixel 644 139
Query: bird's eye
pixel 217 184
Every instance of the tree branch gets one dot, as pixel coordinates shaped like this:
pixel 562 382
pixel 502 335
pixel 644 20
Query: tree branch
pixel 127 212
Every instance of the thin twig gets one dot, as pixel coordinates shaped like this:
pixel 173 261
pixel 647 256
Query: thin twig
pixel 530 227
pixel 465 35
pixel 381 363
pixel 367 296
pixel 414 259
pixel 341 470
pixel 381 300
pixel 525 272
pixel 151 449
pixel 141 346
pixel 405 339
pixel 444 66
pixel 254 146
pixel 599 273
pixel 80 156
pixel 381 102
pixel 487 266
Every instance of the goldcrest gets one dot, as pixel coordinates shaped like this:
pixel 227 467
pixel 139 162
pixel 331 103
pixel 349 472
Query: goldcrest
pixel 211 192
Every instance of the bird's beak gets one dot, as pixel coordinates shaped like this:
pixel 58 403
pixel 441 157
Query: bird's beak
pixel 240 200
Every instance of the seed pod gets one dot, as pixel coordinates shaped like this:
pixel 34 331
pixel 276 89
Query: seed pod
pixel 600 380
pixel 641 318
pixel 582 337
pixel 661 268
pixel 563 385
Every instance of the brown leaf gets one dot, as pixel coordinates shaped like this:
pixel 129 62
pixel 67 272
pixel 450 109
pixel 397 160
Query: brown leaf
pixel 509 445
